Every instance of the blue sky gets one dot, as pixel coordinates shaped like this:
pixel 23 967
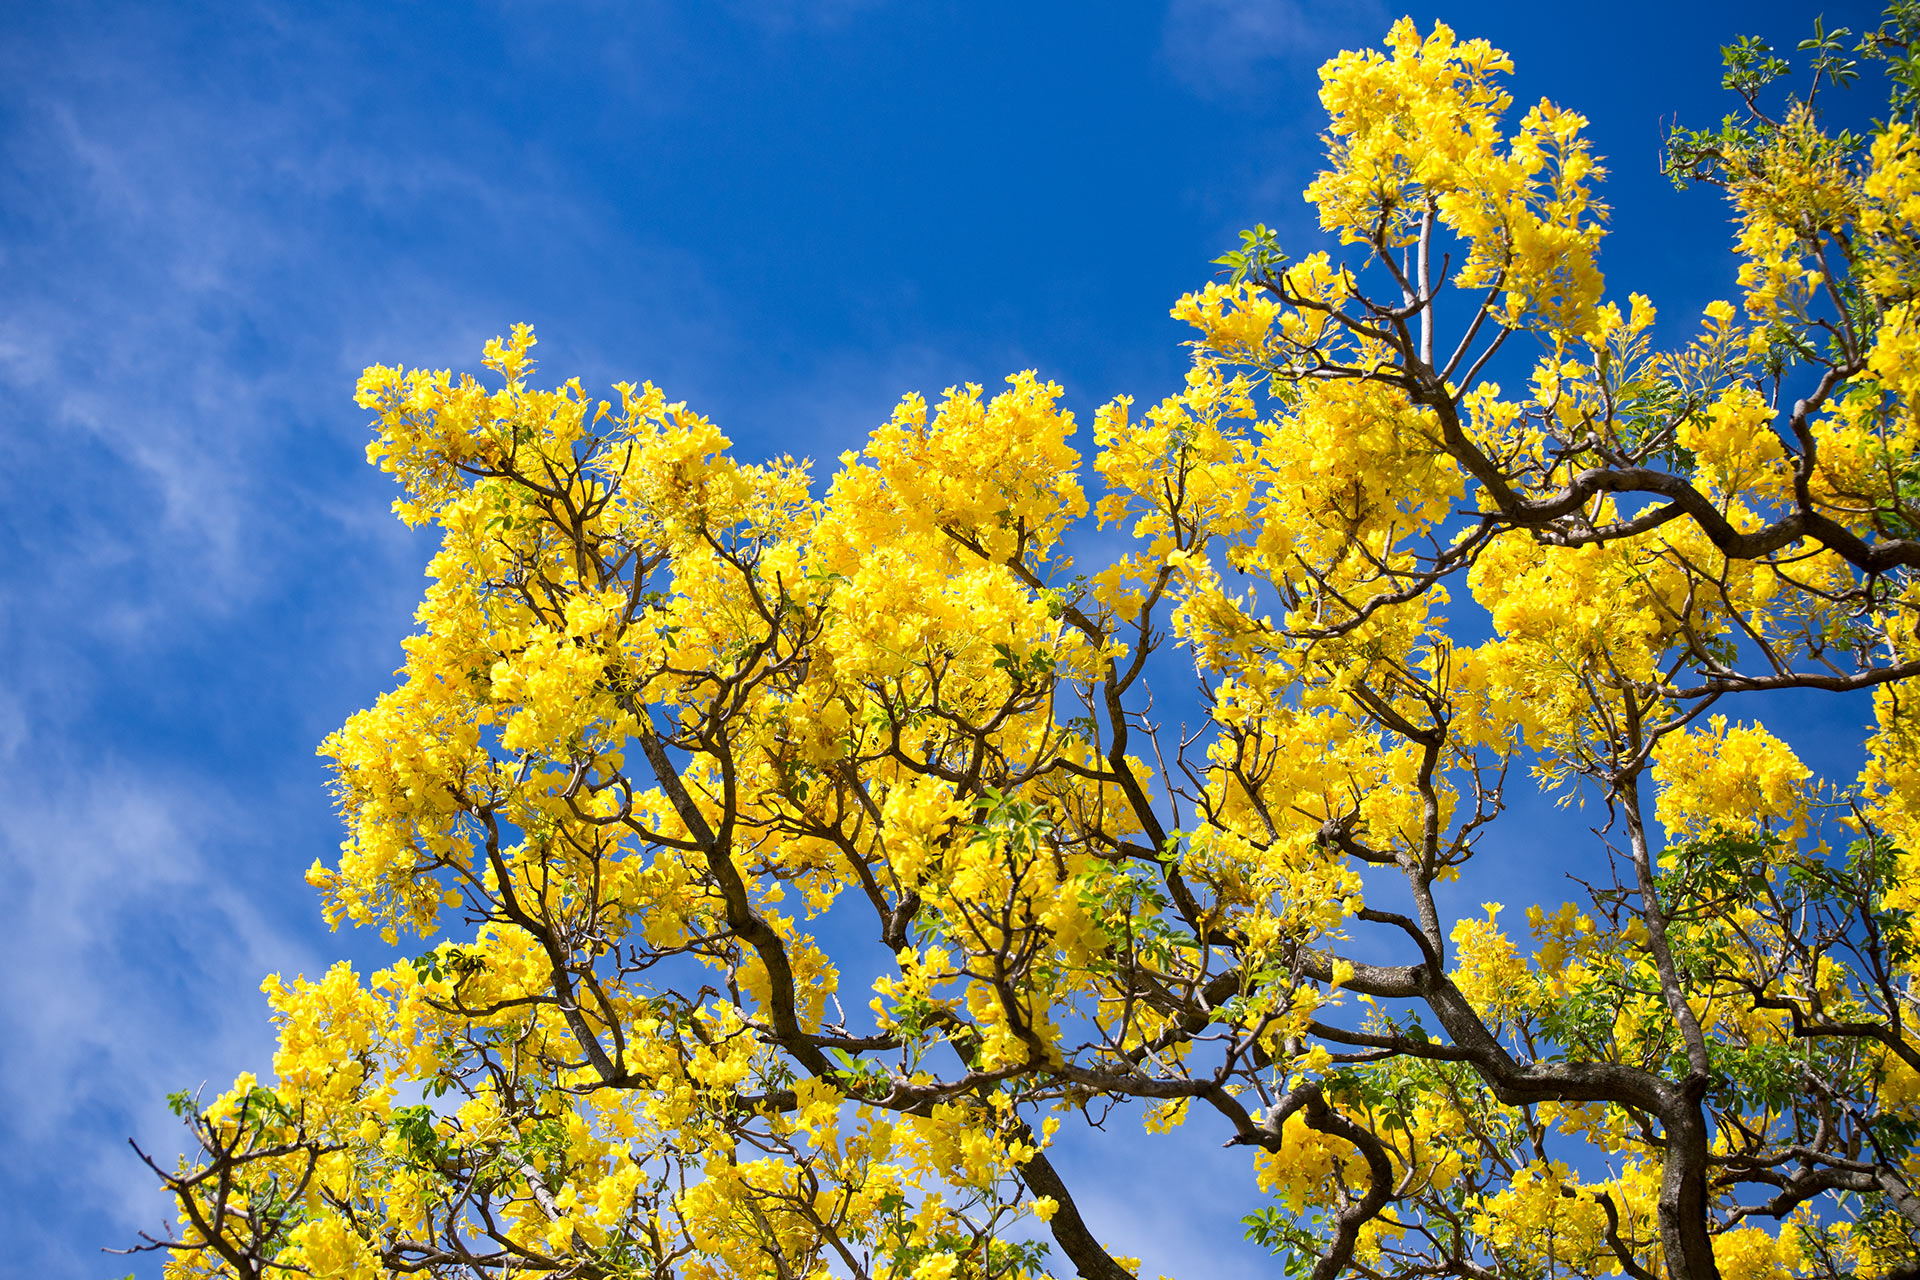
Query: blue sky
pixel 786 213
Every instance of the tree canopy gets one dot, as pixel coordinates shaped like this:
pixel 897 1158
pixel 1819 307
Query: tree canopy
pixel 798 856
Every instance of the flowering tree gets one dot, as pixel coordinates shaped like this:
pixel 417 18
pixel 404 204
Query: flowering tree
pixel 810 855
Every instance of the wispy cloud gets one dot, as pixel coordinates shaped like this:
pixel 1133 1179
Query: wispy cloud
pixel 197 563
pixel 780 17
pixel 121 941
pixel 1225 48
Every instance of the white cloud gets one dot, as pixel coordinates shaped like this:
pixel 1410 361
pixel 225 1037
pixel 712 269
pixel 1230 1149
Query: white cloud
pixel 194 557
pixel 780 17
pixel 123 944
pixel 1224 48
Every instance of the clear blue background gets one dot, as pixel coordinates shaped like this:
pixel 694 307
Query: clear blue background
pixel 786 213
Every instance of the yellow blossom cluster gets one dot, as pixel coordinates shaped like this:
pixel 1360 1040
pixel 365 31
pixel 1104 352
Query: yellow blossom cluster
pixel 797 859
